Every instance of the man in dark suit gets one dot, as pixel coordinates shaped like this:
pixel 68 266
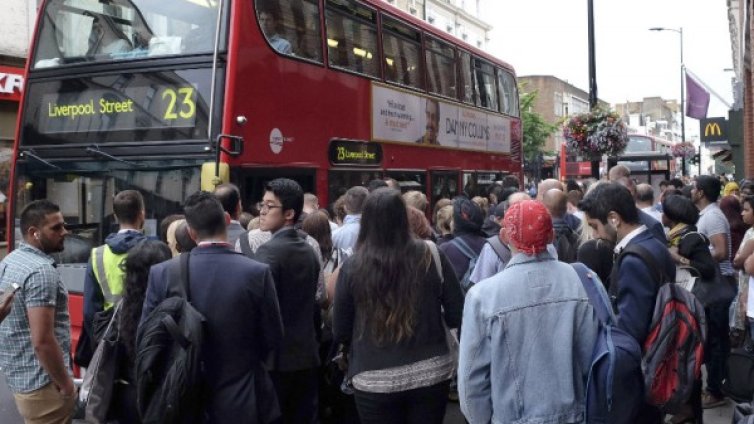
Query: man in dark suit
pixel 295 270
pixel 611 212
pixel 622 175
pixel 243 323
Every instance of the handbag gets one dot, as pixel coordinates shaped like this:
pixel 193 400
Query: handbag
pixel 715 291
pixel 99 382
pixel 739 380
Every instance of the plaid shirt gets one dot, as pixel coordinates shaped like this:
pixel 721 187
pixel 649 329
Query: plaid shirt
pixel 41 286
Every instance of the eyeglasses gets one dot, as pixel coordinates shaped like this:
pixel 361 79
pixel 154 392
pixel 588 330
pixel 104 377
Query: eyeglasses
pixel 267 207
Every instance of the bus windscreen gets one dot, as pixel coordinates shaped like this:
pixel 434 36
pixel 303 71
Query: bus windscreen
pixel 76 31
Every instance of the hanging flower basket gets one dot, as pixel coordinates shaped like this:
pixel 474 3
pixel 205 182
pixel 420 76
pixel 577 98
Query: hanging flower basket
pixel 683 150
pixel 596 133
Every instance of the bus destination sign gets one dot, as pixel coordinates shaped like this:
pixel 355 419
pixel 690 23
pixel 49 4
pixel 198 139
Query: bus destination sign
pixel 354 153
pixel 120 103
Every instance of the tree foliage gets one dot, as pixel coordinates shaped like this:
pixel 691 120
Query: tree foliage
pixel 536 129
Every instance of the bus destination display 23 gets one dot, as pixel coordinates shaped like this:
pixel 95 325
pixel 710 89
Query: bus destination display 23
pixel 123 102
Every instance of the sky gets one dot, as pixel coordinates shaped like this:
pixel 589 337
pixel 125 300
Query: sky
pixel 549 37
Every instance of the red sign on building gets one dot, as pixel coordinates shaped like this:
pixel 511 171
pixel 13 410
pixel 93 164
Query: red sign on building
pixel 11 83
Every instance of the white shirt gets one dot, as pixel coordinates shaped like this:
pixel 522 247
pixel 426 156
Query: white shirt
pixel 630 236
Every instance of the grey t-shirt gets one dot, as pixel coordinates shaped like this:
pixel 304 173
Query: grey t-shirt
pixel 712 222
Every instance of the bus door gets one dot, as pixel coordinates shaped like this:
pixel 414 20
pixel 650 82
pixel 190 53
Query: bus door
pixel 251 181
pixel 444 185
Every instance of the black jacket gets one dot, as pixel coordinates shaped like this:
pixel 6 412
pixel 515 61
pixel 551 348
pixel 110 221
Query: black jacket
pixel 295 270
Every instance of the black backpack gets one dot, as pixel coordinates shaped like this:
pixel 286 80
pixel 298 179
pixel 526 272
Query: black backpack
pixel 169 382
pixel 566 243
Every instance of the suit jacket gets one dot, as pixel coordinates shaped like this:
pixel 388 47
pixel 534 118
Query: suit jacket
pixel 237 298
pixel 638 285
pixel 654 226
pixel 295 270
pixel 234 230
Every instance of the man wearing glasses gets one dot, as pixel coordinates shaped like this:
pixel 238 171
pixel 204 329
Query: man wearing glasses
pixel 295 269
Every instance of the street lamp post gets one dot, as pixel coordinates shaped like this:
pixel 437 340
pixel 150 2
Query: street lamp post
pixel 679 31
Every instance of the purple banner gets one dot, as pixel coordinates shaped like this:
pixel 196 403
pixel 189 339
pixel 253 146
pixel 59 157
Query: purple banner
pixel 697 99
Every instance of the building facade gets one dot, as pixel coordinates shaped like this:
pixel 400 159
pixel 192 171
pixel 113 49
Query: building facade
pixel 462 18
pixel 652 116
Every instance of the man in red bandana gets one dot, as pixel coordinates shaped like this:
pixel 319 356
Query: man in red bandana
pixel 528 332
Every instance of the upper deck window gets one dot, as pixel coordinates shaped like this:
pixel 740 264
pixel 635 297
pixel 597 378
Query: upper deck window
pixel 441 68
pixel 506 85
pixel 485 81
pixel 466 80
pixel 291 27
pixel 401 46
pixel 74 31
pixel 352 37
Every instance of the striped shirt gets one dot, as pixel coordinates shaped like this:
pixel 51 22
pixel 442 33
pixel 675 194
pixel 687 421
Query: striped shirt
pixel 41 286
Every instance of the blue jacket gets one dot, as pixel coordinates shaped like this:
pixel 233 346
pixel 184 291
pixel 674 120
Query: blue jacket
pixel 237 297
pixel 638 285
pixel 526 345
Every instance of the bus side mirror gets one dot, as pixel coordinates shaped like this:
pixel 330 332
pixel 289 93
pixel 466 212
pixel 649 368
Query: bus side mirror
pixel 233 147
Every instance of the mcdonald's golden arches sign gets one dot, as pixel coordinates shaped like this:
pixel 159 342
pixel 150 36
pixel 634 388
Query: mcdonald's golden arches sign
pixel 713 129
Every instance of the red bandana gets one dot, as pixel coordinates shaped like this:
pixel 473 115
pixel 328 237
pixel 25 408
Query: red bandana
pixel 529 226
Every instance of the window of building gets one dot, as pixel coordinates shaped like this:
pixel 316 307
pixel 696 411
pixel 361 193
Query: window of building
pixel 466 78
pixel 401 46
pixel 291 27
pixel 558 104
pixel 485 84
pixel 441 68
pixel 508 93
pixel 352 37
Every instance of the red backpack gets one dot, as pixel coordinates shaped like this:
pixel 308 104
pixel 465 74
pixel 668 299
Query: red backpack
pixel 674 348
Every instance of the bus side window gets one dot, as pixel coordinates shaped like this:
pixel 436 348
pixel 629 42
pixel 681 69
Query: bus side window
pixel 466 78
pixel 291 27
pixel 441 71
pixel 507 93
pixel 402 49
pixel 352 37
pixel 485 79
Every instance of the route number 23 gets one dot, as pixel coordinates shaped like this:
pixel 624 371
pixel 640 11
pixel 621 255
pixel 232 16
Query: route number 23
pixel 180 103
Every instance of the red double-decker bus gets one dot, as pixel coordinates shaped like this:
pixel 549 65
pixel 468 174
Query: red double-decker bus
pixel 153 95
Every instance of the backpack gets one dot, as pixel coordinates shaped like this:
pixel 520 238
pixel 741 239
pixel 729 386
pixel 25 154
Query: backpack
pixel 674 348
pixel 614 381
pixel 566 243
pixel 502 251
pixel 168 355
pixel 472 257
pixel 739 379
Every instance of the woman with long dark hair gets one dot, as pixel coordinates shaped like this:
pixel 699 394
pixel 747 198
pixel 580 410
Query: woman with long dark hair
pixel 140 258
pixel 391 299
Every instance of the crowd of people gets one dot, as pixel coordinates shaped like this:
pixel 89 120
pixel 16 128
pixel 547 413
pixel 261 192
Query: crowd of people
pixel 373 313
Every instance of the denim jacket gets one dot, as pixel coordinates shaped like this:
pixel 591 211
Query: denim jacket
pixel 526 345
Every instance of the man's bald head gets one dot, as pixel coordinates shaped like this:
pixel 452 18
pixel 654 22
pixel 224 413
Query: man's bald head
pixel 548 185
pixel 645 195
pixel 628 183
pixel 556 202
pixel 617 172
pixel 517 197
